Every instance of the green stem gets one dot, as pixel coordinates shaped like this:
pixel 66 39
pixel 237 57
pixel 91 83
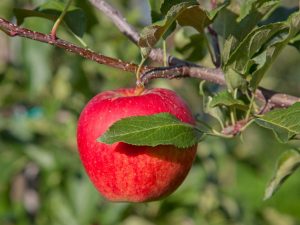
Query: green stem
pixel 202 93
pixel 80 40
pixel 138 72
pixel 165 53
pixel 233 109
pixel 204 124
pixel 220 122
pixel 247 125
pixel 218 134
pixel 250 107
pixel 215 133
pixel 232 116
pixel 209 49
pixel 60 19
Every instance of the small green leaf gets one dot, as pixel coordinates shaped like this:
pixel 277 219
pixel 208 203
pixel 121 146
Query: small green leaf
pixel 226 99
pixel 150 35
pixel 167 5
pixel 258 50
pixel 214 12
pixel 216 112
pixel 285 123
pixel 280 14
pixel 21 14
pixel 195 17
pixel 184 13
pixel 235 80
pixel 248 8
pixel 286 165
pixel 153 130
pixel 229 25
pixel 295 42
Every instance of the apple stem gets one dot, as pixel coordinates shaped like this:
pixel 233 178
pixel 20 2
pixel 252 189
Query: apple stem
pixel 139 89
pixel 138 72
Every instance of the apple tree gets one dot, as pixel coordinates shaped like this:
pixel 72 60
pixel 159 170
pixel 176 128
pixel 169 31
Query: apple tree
pixel 235 63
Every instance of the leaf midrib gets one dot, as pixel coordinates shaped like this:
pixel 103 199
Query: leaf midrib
pixel 153 128
pixel 278 125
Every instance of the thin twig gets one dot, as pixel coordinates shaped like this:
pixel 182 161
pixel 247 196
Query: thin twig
pixel 14 30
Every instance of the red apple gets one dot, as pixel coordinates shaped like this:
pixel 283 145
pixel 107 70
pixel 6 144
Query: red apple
pixel 123 172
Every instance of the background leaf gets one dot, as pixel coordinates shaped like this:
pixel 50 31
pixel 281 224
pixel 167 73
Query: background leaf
pixel 191 47
pixel 232 29
pixel 258 50
pixel 285 123
pixel 280 14
pixel 224 98
pixel 75 18
pixel 184 13
pixel 295 42
pixel 155 10
pixel 153 130
pixel 287 164
pixel 216 112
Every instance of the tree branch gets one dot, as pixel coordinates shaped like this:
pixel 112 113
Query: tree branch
pixel 117 18
pixel 120 22
pixel 14 30
pixel 270 98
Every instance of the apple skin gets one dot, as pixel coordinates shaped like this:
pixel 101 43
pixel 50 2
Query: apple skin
pixel 124 172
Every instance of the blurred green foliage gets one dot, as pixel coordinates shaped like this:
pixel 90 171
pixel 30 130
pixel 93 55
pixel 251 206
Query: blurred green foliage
pixel 42 91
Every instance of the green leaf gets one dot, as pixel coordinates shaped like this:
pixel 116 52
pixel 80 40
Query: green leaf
pixel 246 8
pixel 286 165
pixel 230 26
pixel 251 9
pixel 74 19
pixel 285 123
pixel 216 112
pixel 155 10
pixel 295 42
pixel 185 14
pixel 167 5
pixel 195 17
pixel 258 50
pixel 21 14
pixel 235 80
pixel 36 59
pixel 60 209
pixel 192 48
pixel 214 12
pixel 280 14
pixel 224 98
pixel 153 130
